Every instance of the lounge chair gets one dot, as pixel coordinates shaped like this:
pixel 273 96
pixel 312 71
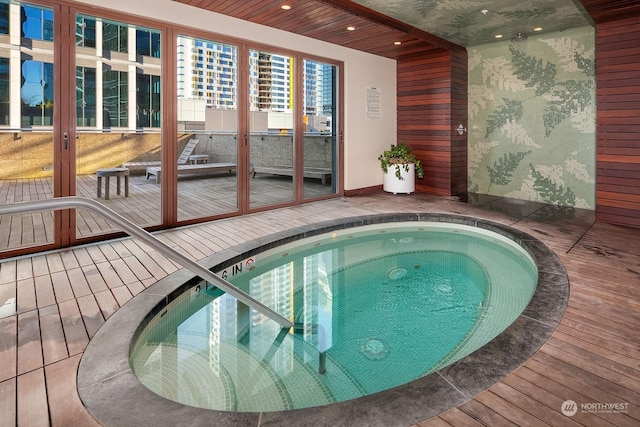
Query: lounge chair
pixel 184 167
pixel 189 169
pixel 182 160
pixel 323 174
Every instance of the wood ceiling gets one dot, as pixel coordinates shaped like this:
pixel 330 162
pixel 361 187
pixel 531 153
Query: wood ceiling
pixel 611 10
pixel 328 20
pixel 374 32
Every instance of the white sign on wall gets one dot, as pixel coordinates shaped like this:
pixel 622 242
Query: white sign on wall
pixel 373 100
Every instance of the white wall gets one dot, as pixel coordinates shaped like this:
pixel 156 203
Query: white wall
pixel 364 138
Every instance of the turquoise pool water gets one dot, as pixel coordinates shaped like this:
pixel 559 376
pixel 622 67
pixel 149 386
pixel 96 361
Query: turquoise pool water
pixel 385 304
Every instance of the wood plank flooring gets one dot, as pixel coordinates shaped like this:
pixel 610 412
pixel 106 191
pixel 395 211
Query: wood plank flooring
pixel 198 196
pixel 593 358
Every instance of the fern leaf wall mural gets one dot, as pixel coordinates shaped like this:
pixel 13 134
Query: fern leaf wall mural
pixel 533 104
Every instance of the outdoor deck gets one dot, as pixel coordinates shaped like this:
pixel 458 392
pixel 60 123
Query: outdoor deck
pixel 198 196
pixel 63 297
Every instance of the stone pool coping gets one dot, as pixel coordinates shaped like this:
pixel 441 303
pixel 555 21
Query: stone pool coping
pixel 115 397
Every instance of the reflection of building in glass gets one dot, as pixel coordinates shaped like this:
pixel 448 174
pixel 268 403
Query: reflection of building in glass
pixel 264 81
pixel 208 71
pixel 312 87
pixel 26 69
pixel 328 98
pixel 319 82
pixel 270 82
pixel 108 55
pixel 281 85
pixel 4 91
pixel 273 289
pixel 118 70
pixel 224 327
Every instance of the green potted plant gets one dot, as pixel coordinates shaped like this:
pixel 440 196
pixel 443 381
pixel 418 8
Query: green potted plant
pixel 400 167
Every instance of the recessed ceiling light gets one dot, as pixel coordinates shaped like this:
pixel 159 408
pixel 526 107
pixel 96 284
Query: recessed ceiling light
pixel 351 28
pixel 285 7
pixel 498 36
pixel 537 29
pixel 397 43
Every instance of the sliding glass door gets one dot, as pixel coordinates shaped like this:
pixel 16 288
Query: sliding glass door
pixel 207 138
pixel 271 136
pixel 118 121
pixel 320 118
pixel 163 127
pixel 293 144
pixel 27 78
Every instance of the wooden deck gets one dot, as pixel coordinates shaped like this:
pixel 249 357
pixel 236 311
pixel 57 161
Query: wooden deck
pixel 63 297
pixel 198 196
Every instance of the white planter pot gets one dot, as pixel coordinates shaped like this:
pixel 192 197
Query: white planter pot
pixel 392 184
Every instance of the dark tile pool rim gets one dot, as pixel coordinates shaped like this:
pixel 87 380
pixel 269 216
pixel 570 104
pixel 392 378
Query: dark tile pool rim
pixel 115 397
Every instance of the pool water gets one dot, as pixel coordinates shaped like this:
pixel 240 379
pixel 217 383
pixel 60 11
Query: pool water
pixel 375 307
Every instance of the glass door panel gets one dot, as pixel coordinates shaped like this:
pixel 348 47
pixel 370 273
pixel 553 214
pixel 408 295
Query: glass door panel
pixel 118 76
pixel 207 128
pixel 320 118
pixel 26 121
pixel 271 136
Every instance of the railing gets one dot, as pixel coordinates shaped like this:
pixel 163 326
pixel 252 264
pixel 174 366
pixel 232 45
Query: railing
pixel 136 231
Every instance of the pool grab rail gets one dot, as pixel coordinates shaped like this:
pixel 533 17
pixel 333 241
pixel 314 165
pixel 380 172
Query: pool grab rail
pixel 157 244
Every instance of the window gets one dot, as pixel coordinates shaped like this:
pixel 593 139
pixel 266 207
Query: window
pixel 147 101
pixel 118 111
pixel 4 91
pixel 85 32
pixel 86 96
pixel 4 18
pixel 148 43
pixel 115 93
pixel 36 93
pixel 115 37
pixel 37 23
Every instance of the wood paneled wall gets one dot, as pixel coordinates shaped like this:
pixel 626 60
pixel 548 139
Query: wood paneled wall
pixel 432 101
pixel 618 122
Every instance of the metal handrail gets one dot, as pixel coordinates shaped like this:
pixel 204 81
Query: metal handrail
pixel 136 231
